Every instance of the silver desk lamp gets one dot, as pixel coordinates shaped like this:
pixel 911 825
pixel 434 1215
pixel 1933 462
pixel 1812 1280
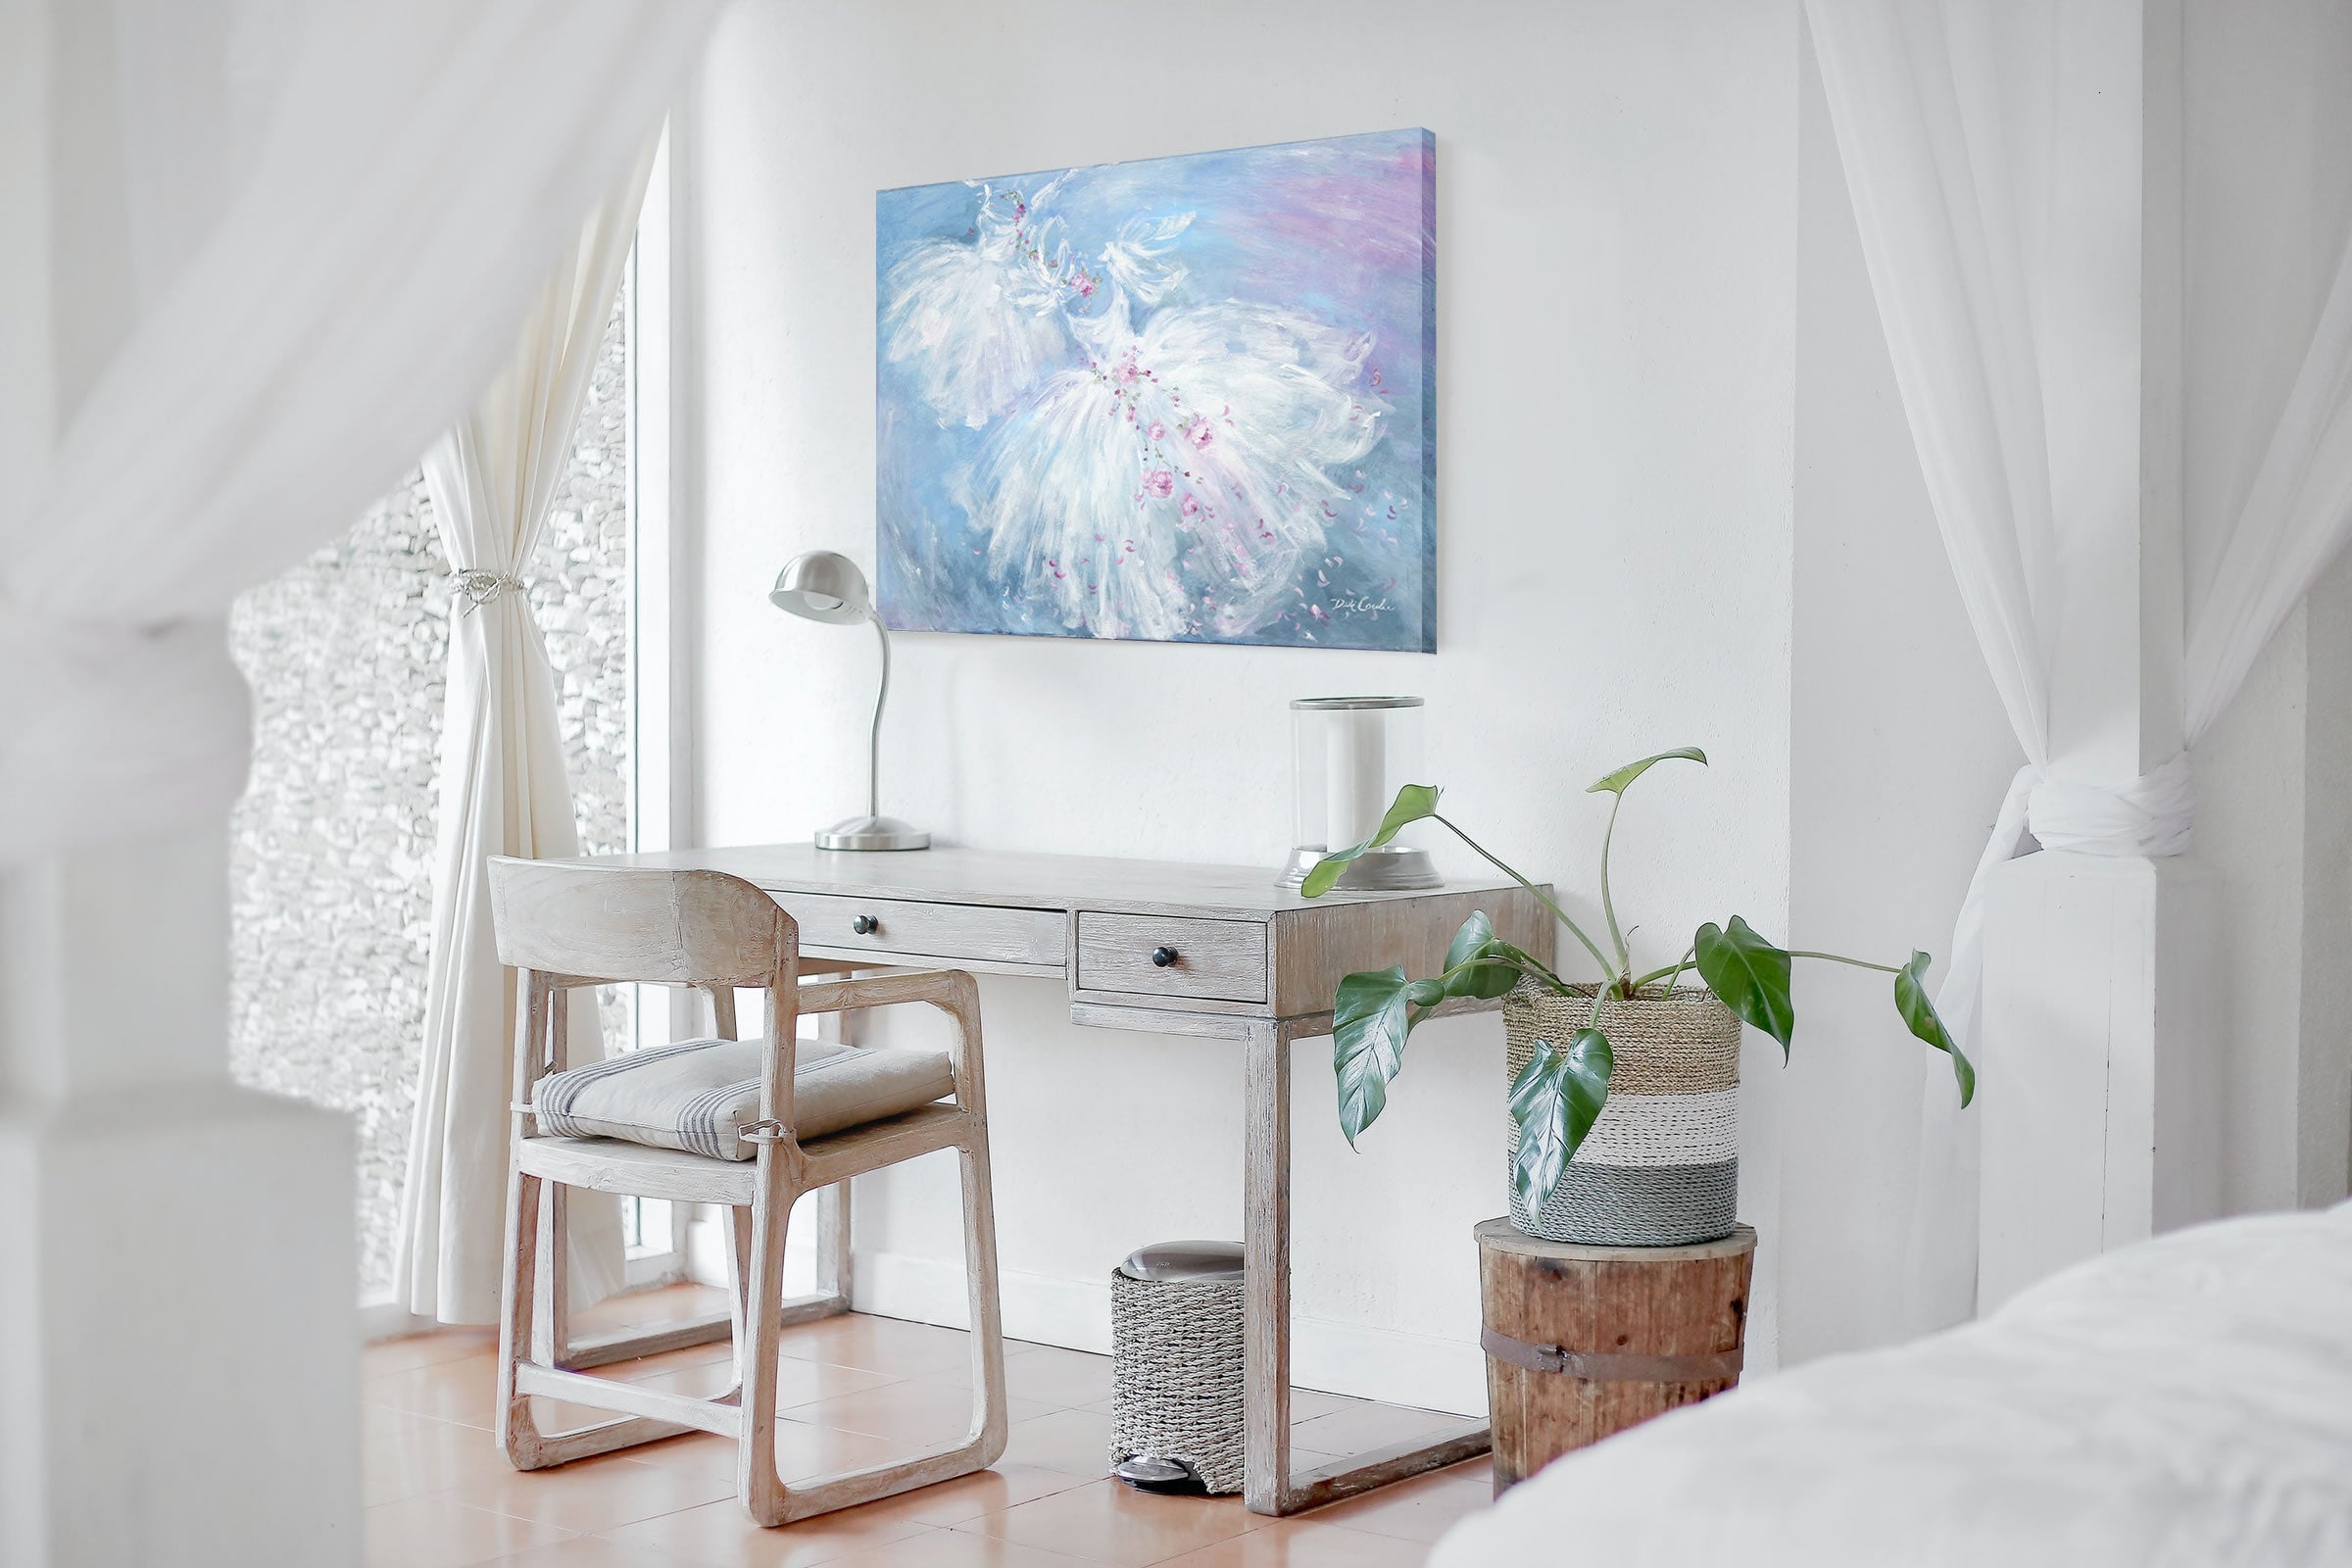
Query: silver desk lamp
pixel 827 586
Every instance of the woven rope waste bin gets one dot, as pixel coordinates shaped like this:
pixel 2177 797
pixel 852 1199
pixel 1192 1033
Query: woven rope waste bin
pixel 1176 1368
pixel 1661 1165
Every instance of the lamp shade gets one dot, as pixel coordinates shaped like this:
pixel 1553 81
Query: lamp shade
pixel 824 586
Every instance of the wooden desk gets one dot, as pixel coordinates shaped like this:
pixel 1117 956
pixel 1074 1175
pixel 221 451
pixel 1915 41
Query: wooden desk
pixel 1212 951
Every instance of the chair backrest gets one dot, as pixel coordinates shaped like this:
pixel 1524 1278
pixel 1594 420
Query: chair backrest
pixel 633 923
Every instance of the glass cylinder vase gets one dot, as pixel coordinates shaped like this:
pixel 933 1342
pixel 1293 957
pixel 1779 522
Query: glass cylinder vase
pixel 1348 757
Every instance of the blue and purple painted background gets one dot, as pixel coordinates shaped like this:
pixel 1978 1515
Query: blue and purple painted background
pixel 1181 399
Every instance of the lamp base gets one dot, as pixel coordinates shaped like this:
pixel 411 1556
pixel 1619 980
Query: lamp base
pixel 1390 868
pixel 874 833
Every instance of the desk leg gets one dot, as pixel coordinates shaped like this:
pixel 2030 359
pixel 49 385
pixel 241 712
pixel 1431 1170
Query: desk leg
pixel 1267 1244
pixel 1267 1485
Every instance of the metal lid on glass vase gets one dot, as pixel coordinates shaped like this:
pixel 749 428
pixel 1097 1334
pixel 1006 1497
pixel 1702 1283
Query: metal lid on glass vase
pixel 1185 1260
pixel 1319 705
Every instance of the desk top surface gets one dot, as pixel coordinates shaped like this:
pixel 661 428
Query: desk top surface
pixel 1015 879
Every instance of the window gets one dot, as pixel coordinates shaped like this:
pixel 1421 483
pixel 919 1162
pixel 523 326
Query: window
pixel 332 848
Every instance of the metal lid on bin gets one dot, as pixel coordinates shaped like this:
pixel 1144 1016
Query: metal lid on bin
pixel 1185 1260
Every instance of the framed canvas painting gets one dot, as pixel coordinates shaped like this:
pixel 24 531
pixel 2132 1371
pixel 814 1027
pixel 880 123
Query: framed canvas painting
pixel 1179 399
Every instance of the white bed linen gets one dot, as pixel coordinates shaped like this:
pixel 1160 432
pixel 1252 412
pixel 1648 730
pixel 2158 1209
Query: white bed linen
pixel 2187 1401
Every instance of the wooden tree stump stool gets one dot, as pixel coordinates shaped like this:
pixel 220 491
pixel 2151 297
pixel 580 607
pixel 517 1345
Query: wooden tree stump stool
pixel 1582 1342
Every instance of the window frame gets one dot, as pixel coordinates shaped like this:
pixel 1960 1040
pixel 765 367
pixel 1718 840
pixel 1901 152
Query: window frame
pixel 656 763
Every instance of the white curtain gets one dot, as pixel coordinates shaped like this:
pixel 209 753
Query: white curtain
pixel 493 482
pixel 1943 113
pixel 2295 517
pixel 336 214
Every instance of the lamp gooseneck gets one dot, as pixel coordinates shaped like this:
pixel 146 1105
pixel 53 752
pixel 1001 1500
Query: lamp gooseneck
pixel 873 746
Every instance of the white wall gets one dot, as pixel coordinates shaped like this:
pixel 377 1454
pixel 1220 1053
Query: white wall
pixel 1617 257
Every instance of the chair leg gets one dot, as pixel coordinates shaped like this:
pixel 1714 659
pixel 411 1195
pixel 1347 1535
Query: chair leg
pixel 983 1445
pixel 989 1419
pixel 833 1252
pixel 756 1483
pixel 551 1322
pixel 517 1433
pixel 763 1494
pixel 527 1259
pixel 739 1283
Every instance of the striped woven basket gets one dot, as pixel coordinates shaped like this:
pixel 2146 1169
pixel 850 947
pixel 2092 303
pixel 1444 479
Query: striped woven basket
pixel 1660 1166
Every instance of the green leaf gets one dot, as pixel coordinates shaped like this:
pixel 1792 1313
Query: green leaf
pixel 1413 802
pixel 1368 1028
pixel 1478 965
pixel 1476 933
pixel 1554 1101
pixel 1616 783
pixel 1918 1011
pixel 1750 975
pixel 1487 977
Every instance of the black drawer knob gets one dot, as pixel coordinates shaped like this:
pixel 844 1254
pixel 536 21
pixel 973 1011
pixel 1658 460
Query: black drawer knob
pixel 866 925
pixel 1163 956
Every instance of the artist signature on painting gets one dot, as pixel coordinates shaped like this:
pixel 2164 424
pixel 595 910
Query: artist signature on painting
pixel 1348 604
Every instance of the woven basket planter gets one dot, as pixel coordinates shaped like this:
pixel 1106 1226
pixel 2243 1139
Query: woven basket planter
pixel 1660 1166
pixel 1176 1374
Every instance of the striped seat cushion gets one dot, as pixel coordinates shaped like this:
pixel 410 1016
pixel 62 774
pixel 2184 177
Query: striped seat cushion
pixel 698 1095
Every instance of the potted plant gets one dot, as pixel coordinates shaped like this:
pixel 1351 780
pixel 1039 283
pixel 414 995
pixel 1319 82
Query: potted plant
pixel 1660 1167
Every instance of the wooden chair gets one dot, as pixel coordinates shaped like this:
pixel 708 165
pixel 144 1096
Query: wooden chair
pixel 567 927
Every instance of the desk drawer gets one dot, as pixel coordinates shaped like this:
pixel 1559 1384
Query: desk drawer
pixel 983 933
pixel 1222 960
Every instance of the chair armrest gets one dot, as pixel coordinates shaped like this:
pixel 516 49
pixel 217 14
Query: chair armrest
pixel 948 989
pixel 953 992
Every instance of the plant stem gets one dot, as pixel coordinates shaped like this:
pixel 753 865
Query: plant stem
pixel 1557 913
pixel 1673 971
pixel 1608 907
pixel 1840 958
pixel 1525 962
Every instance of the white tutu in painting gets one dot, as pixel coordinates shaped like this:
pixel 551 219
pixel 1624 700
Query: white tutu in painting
pixel 1173 486
pixel 979 320
pixel 1123 440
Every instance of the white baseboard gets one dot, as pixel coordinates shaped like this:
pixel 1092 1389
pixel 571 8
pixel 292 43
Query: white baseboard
pixel 1348 1358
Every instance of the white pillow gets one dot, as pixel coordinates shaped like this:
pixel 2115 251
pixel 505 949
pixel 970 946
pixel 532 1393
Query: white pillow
pixel 698 1095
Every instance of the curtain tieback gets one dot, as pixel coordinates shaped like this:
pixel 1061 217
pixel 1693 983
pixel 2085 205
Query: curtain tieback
pixel 478 586
pixel 2152 816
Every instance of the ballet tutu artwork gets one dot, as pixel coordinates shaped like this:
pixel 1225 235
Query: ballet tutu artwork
pixel 1180 400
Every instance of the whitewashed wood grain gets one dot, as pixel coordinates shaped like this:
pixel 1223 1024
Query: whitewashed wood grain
pixel 1221 960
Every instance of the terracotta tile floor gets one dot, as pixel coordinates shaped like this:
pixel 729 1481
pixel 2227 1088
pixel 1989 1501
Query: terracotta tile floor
pixel 855 1390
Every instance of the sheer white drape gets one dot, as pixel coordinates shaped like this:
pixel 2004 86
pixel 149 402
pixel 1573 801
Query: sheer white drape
pixel 1931 153
pixel 1941 111
pixel 335 215
pixel 2295 517
pixel 504 791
